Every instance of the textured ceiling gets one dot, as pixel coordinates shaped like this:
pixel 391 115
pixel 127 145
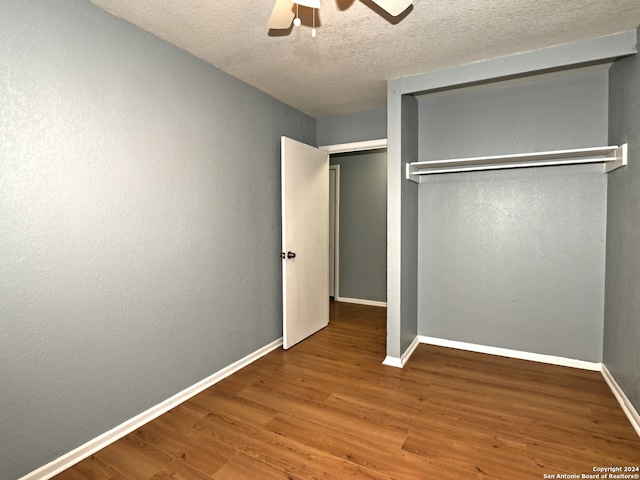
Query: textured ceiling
pixel 345 68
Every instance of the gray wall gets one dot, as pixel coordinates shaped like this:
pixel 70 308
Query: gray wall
pixel 561 111
pixel 515 259
pixel 138 257
pixel 353 127
pixel 622 299
pixel 363 224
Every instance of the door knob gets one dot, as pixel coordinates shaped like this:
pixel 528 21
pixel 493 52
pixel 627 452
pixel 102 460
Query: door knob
pixel 291 255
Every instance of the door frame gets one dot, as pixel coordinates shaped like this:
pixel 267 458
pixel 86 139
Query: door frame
pixel 336 232
pixel 355 146
pixel 347 148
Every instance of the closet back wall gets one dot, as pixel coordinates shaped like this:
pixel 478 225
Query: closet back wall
pixel 515 258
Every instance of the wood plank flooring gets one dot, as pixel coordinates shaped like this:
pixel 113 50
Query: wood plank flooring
pixel 329 409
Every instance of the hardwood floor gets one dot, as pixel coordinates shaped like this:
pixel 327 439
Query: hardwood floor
pixel 328 409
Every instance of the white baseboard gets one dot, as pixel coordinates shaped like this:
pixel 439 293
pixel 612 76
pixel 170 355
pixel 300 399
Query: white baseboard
pixel 390 361
pixel 625 403
pixel 505 352
pixel 401 362
pixel 372 303
pixel 627 407
pixel 92 446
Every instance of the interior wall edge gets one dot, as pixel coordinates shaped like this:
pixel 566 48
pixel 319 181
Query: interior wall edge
pixel 400 362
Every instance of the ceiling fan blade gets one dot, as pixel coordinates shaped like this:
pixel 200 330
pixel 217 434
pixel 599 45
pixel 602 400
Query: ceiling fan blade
pixel 308 3
pixel 282 15
pixel 393 7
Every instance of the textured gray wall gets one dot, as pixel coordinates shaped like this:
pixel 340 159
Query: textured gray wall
pixel 565 111
pixel 622 298
pixel 353 127
pixel 515 258
pixel 138 255
pixel 363 224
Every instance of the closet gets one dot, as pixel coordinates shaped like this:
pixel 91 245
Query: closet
pixel 486 248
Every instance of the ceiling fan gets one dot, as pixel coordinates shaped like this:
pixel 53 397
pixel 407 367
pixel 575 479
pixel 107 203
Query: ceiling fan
pixel 283 14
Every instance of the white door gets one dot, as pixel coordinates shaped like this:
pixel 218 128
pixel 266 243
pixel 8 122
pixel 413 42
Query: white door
pixel 305 240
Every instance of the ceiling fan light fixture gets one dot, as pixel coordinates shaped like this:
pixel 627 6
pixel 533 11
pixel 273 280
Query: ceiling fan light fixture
pixel 296 21
pixel 307 3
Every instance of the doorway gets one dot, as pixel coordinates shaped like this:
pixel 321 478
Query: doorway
pixel 361 276
pixel 334 229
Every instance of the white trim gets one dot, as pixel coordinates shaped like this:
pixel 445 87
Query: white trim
pixel 506 352
pixel 355 146
pixel 559 57
pixel 336 250
pixel 625 403
pixel 404 358
pixel 390 361
pixel 92 446
pixel 361 301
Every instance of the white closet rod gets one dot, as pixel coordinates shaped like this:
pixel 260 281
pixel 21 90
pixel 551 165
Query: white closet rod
pixel 611 156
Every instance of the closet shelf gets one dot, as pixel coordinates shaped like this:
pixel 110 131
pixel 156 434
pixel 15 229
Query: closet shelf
pixel 611 157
